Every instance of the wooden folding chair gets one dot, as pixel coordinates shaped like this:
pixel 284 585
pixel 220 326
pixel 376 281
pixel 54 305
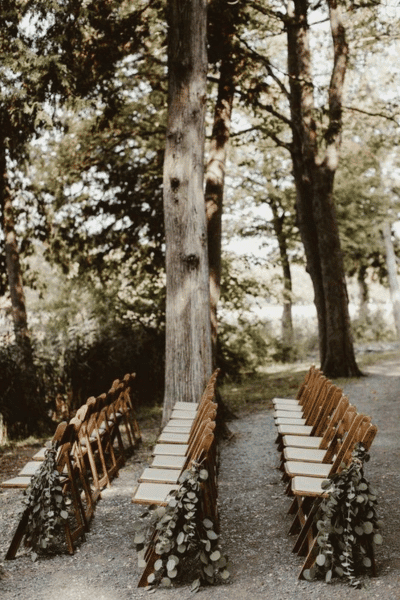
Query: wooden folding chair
pixel 322 396
pixel 315 411
pixel 292 403
pixel 188 410
pixel 180 444
pixel 306 488
pixel 306 543
pixel 158 481
pixel 124 406
pixel 208 505
pixel 64 439
pixel 348 431
pixel 322 448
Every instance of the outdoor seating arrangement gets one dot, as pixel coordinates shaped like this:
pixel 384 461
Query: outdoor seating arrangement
pixel 187 438
pixel 317 433
pixel 91 448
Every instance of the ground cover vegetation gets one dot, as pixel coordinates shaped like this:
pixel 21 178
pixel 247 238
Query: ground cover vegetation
pixel 294 90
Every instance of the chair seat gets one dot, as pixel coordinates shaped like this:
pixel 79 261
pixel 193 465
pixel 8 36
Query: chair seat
pixel 304 454
pixel 290 421
pixel 185 429
pixel 174 438
pixel 184 423
pixel 186 415
pixel 308 486
pixel 171 449
pixel 169 462
pixel 30 468
pixel 307 469
pixel 160 475
pixel 192 406
pixel 154 493
pixel 290 412
pixel 16 482
pixel 295 429
pixel 285 402
pixel 302 441
pixel 41 455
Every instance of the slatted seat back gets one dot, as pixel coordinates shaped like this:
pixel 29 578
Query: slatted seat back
pixel 312 374
pixel 209 411
pixel 369 436
pixel 334 422
pixel 208 426
pixel 332 413
pixel 316 397
pixel 351 437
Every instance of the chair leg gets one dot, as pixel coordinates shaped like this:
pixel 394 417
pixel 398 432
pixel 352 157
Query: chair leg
pixel 18 535
pixel 306 529
pixel 310 559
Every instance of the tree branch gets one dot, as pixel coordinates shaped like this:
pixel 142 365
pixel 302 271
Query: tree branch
pixel 267 64
pixel 267 132
pixel 275 14
pixel 340 50
pixel 371 114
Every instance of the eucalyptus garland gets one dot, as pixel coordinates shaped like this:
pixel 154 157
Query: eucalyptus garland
pixel 187 544
pixel 46 505
pixel 347 524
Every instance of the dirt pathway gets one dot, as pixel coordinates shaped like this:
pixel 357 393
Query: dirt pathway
pixel 254 522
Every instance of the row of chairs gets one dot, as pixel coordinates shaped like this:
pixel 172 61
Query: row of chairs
pixel 317 433
pixel 91 448
pixel 187 439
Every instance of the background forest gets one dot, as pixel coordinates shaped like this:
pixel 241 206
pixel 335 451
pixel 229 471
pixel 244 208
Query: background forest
pixel 83 117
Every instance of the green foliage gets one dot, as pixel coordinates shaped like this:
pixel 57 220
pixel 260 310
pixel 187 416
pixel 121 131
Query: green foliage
pixel 23 393
pixel 243 348
pixel 93 359
pixel 46 504
pixel 250 345
pixel 187 544
pixel 347 523
pixel 372 327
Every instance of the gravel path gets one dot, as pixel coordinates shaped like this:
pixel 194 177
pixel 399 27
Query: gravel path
pixel 254 522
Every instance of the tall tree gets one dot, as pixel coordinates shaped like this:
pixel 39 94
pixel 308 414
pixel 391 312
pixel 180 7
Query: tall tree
pixel 188 336
pixel 50 52
pixel 223 22
pixel 392 275
pixel 314 171
pixel 13 268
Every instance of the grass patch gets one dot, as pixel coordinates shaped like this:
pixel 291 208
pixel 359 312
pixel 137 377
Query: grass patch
pixel 374 358
pixel 255 392
pixel 31 441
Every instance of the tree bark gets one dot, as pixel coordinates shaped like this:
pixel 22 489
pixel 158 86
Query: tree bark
pixel 363 292
pixel 214 189
pixel 13 267
pixel 188 337
pixel 287 321
pixel 392 276
pixel 314 177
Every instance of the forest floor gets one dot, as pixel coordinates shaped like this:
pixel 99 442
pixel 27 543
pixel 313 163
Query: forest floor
pixel 253 509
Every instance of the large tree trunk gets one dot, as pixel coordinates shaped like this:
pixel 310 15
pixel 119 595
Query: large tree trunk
pixel 188 338
pixel 392 275
pixel 314 176
pixel 214 190
pixel 14 275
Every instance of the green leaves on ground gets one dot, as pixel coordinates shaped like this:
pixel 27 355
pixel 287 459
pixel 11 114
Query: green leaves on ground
pixel 183 537
pixel 347 525
pixel 46 505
